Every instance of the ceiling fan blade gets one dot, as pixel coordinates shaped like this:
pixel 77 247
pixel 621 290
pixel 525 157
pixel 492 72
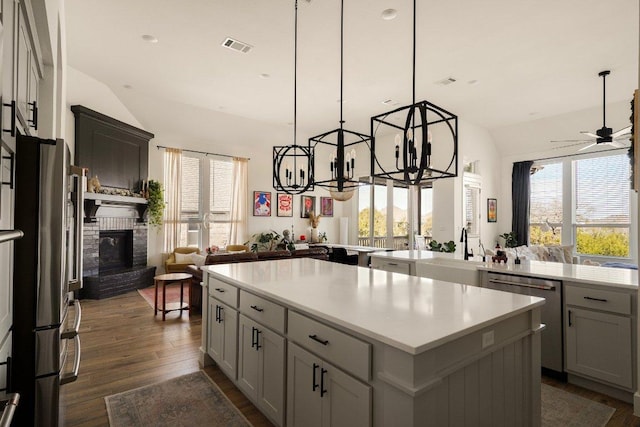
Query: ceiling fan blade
pixel 588 146
pixel 572 140
pixel 592 135
pixel 617 144
pixel 621 132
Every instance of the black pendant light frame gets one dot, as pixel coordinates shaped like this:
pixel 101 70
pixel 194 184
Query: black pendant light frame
pixel 414 167
pixel 342 171
pixel 288 177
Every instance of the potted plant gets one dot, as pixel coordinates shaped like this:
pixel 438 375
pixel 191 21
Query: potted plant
pixel 448 247
pixel 511 241
pixel 155 197
pixel 264 241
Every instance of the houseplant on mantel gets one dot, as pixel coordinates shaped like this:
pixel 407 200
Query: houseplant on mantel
pixel 155 197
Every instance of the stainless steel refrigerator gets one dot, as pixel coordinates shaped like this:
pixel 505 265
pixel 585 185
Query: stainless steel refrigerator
pixel 47 268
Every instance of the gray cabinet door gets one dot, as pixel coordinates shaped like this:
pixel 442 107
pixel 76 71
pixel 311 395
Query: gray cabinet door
pixel 223 336
pixel 271 374
pixel 346 401
pixel 303 397
pixel 248 358
pixel 599 345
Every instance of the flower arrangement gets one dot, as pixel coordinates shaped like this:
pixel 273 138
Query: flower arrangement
pixel 212 249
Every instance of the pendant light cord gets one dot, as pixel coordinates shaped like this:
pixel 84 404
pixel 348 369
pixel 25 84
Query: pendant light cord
pixel 341 57
pixel 295 76
pixel 414 52
pixel 604 100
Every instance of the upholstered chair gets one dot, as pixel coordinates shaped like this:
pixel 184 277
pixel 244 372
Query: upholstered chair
pixel 237 248
pixel 179 259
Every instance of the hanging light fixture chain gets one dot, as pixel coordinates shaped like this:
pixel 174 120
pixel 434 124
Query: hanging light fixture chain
pixel 341 57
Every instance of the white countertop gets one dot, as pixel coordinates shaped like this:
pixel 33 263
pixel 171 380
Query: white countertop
pixel 577 273
pixel 410 313
pixel 588 274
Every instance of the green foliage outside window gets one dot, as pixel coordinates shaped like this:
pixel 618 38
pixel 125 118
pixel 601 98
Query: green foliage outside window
pixel 547 238
pixel 379 223
pixel 603 241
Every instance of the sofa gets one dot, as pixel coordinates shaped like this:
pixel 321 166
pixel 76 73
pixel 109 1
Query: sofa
pixel 562 254
pixel 195 290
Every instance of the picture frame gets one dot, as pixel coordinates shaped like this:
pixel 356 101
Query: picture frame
pixel 285 204
pixel 492 210
pixel 261 203
pixel 307 204
pixel 326 206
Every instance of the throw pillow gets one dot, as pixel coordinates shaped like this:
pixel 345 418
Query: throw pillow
pixel 183 258
pixel 561 254
pixel 198 259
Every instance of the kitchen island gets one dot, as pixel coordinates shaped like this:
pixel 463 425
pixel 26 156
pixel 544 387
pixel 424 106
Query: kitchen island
pixel 318 343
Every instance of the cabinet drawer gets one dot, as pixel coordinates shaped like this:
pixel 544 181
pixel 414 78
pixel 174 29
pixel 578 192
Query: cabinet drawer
pixel 224 292
pixel 391 266
pixel 339 348
pixel 266 312
pixel 599 299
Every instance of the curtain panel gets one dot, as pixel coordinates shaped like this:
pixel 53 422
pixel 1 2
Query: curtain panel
pixel 239 205
pixel 173 197
pixel 520 195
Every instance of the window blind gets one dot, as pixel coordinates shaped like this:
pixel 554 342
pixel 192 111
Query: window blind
pixel 190 187
pixel 602 190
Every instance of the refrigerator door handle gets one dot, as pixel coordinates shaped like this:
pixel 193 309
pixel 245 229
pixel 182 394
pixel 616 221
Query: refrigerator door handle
pixel 72 332
pixel 79 174
pixel 70 377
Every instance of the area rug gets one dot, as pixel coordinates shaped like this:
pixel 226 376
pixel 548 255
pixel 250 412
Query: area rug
pixel 560 408
pixel 190 400
pixel 173 294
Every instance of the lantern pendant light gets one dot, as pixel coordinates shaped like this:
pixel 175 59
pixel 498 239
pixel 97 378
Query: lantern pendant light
pixel 293 165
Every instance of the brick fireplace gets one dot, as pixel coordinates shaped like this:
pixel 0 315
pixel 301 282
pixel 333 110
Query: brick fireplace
pixel 115 246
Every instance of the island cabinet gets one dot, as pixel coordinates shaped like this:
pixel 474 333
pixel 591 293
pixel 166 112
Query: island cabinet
pixel 222 326
pixel 319 394
pixel 599 334
pixel 261 359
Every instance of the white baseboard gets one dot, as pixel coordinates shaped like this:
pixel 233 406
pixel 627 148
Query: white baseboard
pixel 636 404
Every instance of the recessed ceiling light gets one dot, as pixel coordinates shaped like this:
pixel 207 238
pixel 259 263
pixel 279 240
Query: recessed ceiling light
pixel 389 14
pixel 390 102
pixel 149 38
pixel 264 76
pixel 447 81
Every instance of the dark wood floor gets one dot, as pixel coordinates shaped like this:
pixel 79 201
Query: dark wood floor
pixel 125 347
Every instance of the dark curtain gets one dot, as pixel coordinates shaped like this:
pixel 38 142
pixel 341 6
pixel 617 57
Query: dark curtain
pixel 520 192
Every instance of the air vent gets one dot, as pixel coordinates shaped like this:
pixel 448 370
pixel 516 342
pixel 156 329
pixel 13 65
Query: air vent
pixel 236 45
pixel 445 82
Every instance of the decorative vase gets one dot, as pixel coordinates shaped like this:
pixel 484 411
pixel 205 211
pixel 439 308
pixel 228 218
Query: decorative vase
pixel 314 235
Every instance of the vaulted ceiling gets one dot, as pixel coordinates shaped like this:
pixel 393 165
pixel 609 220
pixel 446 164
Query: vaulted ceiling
pixel 513 61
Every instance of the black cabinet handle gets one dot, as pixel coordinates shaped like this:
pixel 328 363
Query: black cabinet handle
pixel 570 323
pixel 596 299
pixel 12 162
pixel 217 313
pixel 220 315
pixel 323 391
pixel 220 290
pixel 12 104
pixel 258 332
pixel 314 383
pixel 253 337
pixel 34 120
pixel 256 308
pixel 316 339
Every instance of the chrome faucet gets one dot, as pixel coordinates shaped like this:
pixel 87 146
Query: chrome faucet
pixel 463 238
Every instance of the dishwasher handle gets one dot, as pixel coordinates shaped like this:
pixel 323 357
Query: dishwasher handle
pixel 546 287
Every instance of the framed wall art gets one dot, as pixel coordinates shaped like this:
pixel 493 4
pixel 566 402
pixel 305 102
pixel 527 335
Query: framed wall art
pixel 326 206
pixel 307 204
pixel 492 210
pixel 285 204
pixel 261 203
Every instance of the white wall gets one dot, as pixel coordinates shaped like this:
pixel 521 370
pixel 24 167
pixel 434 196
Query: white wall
pixel 474 144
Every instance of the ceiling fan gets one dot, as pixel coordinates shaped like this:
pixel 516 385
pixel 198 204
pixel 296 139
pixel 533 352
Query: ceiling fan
pixel 604 135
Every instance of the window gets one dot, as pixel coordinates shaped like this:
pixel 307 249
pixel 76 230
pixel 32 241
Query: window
pixel 602 217
pixel 397 213
pixel 596 202
pixel 426 211
pixel 545 209
pixel 206 201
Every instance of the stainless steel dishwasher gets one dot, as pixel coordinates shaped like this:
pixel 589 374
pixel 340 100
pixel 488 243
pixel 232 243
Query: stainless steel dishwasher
pixel 551 312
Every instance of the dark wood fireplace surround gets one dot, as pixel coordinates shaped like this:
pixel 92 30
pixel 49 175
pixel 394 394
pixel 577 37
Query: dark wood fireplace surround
pixel 117 153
